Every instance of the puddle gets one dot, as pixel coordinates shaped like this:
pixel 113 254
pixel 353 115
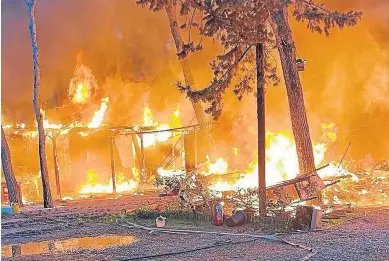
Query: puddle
pixel 72 244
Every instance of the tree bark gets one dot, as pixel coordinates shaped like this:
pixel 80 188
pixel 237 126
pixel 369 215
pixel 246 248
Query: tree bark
pixel 189 80
pixel 56 166
pixel 259 58
pixel 287 51
pixel 47 199
pixel 111 146
pixel 12 186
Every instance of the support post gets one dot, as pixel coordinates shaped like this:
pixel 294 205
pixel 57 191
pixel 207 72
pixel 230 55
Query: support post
pixel 111 145
pixel 142 158
pixel 261 127
pixel 173 154
pixel 56 167
pixel 195 144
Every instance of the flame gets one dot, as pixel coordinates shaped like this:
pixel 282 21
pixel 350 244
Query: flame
pixel 82 85
pixel 151 139
pixel 81 94
pixel 98 116
pixel 48 125
pixel 219 167
pixel 92 186
pixel 148 119
pixel 281 163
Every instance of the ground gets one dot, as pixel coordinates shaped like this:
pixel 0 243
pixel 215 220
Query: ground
pixel 72 231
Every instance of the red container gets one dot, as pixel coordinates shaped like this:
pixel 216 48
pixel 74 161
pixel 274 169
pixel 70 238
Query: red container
pixel 218 219
pixel 4 192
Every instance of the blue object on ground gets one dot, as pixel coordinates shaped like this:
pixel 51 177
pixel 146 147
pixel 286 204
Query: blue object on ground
pixel 7 210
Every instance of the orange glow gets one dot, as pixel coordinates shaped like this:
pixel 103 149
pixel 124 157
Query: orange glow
pixel 98 116
pixel 81 94
pixel 281 163
pixel 82 84
pixel 92 185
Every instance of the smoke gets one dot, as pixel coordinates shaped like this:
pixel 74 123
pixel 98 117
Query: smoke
pixel 130 51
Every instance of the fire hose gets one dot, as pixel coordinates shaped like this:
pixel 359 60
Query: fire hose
pixel 273 237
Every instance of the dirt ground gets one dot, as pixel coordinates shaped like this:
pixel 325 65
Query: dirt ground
pixel 67 233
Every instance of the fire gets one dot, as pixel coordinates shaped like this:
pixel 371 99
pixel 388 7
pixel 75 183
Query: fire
pixel 98 116
pixel 92 185
pixel 151 139
pixel 165 135
pixel 48 125
pixel 81 94
pixel 219 167
pixel 82 85
pixel 148 118
pixel 281 163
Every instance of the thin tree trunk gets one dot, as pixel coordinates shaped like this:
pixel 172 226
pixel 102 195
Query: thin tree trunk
pixel 259 58
pixel 189 80
pixel 47 199
pixel 10 180
pixel 111 146
pixel 287 51
pixel 56 166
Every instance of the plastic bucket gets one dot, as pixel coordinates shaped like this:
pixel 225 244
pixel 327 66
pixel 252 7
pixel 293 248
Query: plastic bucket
pixel 239 218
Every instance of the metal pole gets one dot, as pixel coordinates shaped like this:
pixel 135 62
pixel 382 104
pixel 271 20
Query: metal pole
pixel 56 167
pixel 111 145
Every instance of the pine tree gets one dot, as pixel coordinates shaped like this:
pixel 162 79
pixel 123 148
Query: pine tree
pixel 12 186
pixel 47 199
pixel 239 25
pixel 170 7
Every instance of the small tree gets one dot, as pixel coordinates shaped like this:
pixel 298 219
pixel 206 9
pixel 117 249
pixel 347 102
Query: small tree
pixel 47 199
pixel 12 186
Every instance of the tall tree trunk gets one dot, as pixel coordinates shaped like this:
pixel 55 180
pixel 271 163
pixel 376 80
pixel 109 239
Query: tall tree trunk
pixel 259 58
pixel 47 199
pixel 12 186
pixel 189 80
pixel 287 51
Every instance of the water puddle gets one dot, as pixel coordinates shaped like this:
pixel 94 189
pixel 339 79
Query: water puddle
pixel 72 244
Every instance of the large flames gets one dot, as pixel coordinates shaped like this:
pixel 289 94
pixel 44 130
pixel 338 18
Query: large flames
pixel 281 163
pixel 93 186
pixel 162 134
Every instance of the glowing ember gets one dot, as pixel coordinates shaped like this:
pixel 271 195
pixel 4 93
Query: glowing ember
pixel 98 116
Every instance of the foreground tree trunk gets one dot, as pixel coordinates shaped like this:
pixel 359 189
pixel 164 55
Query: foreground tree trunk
pixel 10 180
pixel 259 58
pixel 287 51
pixel 47 199
pixel 189 80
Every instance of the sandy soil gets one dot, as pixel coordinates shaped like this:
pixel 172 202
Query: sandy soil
pixel 65 233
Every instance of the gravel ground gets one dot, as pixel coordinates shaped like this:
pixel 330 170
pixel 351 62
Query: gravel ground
pixel 365 238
